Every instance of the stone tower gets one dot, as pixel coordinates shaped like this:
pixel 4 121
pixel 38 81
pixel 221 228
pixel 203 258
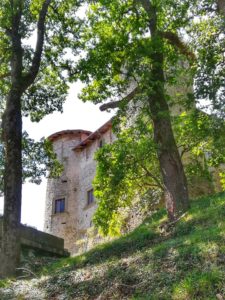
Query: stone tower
pixel 61 202
pixel 70 202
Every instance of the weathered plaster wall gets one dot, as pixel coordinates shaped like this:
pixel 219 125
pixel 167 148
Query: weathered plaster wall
pixel 73 185
pixel 64 224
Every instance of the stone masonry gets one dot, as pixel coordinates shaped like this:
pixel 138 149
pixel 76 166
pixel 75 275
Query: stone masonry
pixel 73 190
pixel 38 240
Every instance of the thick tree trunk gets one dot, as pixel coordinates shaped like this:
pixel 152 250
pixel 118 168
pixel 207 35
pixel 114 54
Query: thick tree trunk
pixel 12 140
pixel 174 179
pixel 12 134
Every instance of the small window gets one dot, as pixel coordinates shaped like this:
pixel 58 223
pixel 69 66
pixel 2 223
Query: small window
pixel 90 197
pixel 101 143
pixel 60 205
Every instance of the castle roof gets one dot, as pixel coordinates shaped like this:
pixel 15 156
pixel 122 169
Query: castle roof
pixel 64 133
pixel 94 136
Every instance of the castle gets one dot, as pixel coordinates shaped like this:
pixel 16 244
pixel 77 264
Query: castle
pixel 70 202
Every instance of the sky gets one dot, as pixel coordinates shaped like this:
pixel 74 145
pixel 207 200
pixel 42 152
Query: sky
pixel 76 115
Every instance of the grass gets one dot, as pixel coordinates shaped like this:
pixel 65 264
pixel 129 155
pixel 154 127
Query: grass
pixel 155 261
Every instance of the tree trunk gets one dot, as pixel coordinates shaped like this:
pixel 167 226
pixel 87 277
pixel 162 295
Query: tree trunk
pixel 221 6
pixel 174 179
pixel 12 140
pixel 12 135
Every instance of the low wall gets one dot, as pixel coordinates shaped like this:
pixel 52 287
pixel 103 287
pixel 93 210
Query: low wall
pixel 37 239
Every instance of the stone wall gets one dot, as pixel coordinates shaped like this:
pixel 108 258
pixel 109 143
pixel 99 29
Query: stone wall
pixel 36 239
pixel 73 186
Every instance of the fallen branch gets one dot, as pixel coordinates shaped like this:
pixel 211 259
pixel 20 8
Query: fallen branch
pixel 167 225
pixel 134 286
pixel 27 271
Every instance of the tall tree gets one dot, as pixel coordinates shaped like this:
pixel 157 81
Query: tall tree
pixel 128 174
pixel 31 84
pixel 138 42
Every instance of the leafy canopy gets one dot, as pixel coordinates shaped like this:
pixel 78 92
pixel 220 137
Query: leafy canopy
pixel 49 90
pixel 128 176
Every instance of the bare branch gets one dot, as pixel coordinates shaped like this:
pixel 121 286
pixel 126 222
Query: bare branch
pixel 32 74
pixel 27 271
pixel 115 104
pixel 174 40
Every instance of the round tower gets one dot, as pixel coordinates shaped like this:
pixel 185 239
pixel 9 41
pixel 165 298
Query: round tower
pixel 60 207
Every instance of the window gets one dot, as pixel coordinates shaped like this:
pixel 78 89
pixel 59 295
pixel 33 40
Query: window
pixel 59 205
pixel 101 143
pixel 90 197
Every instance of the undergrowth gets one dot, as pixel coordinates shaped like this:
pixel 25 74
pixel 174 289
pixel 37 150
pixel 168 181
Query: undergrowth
pixel 157 260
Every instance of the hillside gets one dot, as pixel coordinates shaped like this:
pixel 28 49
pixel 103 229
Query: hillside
pixel 158 260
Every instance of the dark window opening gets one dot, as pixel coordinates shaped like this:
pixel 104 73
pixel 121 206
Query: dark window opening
pixel 59 205
pixel 90 197
pixel 101 143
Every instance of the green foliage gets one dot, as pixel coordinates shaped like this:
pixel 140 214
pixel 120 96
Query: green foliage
pixel 57 63
pixel 128 175
pixel 127 171
pixel 118 48
pixel 38 159
pixel 207 36
pixel 50 88
pixel 200 139
pixel 222 179
pixel 5 283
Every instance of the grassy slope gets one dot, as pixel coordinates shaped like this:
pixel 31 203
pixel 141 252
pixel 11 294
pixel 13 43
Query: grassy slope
pixel 155 261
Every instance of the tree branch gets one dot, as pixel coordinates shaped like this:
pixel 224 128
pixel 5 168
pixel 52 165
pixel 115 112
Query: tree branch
pixel 115 104
pixel 174 40
pixel 159 184
pixel 32 74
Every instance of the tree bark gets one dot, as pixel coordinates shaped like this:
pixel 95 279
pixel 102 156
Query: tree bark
pixel 221 6
pixel 174 179
pixel 12 136
pixel 12 139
